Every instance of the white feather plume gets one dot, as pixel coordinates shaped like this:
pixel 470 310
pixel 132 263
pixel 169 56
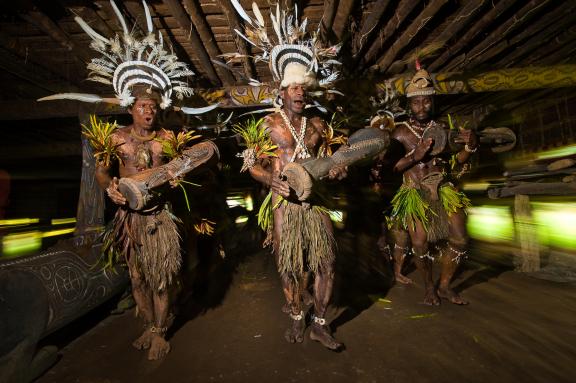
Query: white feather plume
pixel 84 97
pixel 149 24
pixel 120 17
pixel 258 14
pixel 188 110
pixel 241 11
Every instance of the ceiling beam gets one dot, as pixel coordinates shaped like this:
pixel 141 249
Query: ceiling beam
pixel 543 44
pixel 330 8
pixel 57 34
pixel 420 22
pixel 472 32
pixel 402 11
pixel 454 26
pixel 33 73
pixel 523 15
pixel 199 19
pixel 241 44
pixel 369 23
pixel 179 13
pixel 345 8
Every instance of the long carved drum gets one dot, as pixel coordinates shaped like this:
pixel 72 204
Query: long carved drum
pixel 363 144
pixel 142 189
pixel 498 139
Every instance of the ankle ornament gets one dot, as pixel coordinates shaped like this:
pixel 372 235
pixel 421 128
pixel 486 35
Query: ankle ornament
pixel 459 255
pixel 320 321
pixel 158 330
pixel 299 316
pixel 424 256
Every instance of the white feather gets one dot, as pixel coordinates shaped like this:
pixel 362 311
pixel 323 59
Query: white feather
pixel 241 11
pixel 276 28
pixel 205 109
pixel 85 97
pixel 335 91
pixel 303 25
pixel 244 37
pixel 258 14
pixel 89 31
pixel 148 17
pixel 120 17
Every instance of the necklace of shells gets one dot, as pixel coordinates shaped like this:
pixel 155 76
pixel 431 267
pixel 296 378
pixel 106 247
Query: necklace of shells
pixel 143 155
pixel 301 150
pixel 429 124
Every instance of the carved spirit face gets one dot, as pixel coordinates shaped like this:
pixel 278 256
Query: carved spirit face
pixel 144 113
pixel 294 98
pixel 421 107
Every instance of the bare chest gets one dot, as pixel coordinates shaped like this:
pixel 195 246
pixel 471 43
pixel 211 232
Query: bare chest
pixel 138 155
pixel 289 140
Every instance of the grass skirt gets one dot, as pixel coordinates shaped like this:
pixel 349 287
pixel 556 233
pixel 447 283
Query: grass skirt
pixel 152 238
pixel 305 242
pixel 411 204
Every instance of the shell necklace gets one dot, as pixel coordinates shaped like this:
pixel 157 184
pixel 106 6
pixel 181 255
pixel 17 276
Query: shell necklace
pixel 419 136
pixel 143 156
pixel 301 150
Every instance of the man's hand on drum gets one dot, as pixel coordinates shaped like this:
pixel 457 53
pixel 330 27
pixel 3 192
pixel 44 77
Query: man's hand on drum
pixel 338 172
pixel 114 194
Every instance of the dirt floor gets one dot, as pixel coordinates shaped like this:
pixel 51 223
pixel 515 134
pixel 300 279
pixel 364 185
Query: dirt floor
pixel 516 329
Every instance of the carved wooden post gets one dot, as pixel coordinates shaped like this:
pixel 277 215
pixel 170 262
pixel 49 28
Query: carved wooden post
pixel 90 213
pixel 528 255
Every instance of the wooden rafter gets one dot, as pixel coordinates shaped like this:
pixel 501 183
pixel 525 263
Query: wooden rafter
pixel 487 19
pixel 53 30
pixel 426 15
pixel 523 15
pixel 543 44
pixel 177 10
pixel 369 24
pixel 402 11
pixel 330 8
pixel 241 44
pixel 34 74
pixel 199 19
pixel 459 21
pixel 345 8
pixel 561 56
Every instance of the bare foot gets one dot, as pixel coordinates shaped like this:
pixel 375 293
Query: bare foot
pixel 431 298
pixel 322 334
pixel 452 296
pixel 403 279
pixel 144 341
pixel 159 348
pixel 295 333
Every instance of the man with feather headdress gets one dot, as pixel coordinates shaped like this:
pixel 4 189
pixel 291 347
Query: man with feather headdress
pixel 300 232
pixel 144 76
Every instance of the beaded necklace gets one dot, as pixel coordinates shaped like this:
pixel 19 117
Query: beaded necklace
pixel 301 150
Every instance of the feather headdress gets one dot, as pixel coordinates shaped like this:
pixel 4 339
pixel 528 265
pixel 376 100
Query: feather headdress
pixel 127 62
pixel 293 55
